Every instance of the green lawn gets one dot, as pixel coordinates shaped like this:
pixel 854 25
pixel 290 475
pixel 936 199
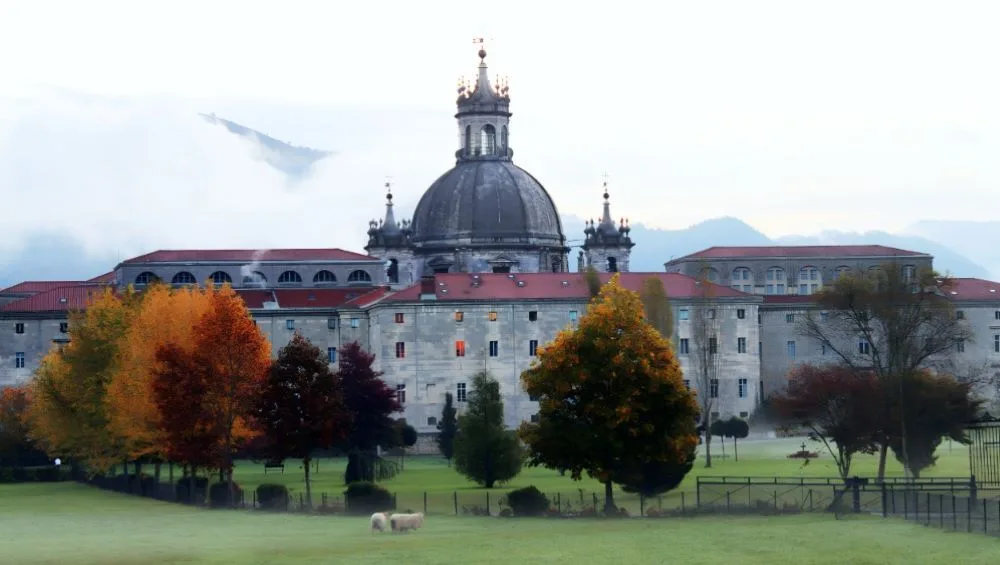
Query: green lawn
pixel 70 524
pixel 431 475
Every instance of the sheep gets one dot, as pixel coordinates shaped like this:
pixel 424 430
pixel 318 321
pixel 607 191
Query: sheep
pixel 378 522
pixel 403 522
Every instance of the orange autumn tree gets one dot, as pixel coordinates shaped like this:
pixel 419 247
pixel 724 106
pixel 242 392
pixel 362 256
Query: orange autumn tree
pixel 612 400
pixel 165 316
pixel 237 358
pixel 67 416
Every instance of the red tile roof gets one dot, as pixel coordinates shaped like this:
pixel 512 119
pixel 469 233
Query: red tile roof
pixel 369 298
pixel 60 299
pixel 105 278
pixel 541 286
pixel 247 255
pixel 310 297
pixel 974 289
pixel 800 251
pixel 34 287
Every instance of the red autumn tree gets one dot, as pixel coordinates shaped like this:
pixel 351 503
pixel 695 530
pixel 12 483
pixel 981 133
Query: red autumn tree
pixel 838 405
pixel 15 446
pixel 301 406
pixel 188 427
pixel 370 403
pixel 237 357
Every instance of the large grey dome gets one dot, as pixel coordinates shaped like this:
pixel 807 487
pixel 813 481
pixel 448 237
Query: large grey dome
pixel 486 202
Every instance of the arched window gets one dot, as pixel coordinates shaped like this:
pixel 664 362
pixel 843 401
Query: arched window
pixel 468 140
pixel 742 279
pixel 184 277
pixel 392 271
pixel 145 278
pixel 612 265
pixel 503 140
pixel 842 271
pixel 775 281
pixel 289 277
pixel 710 274
pixel 221 277
pixel 359 276
pixel 488 139
pixel 255 278
pixel 810 280
pixel 324 277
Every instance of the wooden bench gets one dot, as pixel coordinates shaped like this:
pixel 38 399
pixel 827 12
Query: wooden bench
pixel 274 465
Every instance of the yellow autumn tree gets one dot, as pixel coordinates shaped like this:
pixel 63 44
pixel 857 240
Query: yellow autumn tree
pixel 612 400
pixel 165 316
pixel 68 416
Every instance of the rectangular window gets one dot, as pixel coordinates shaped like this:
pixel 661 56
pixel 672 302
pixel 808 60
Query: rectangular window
pixel 760 349
pixel 769 289
pixel 19 360
pixel 743 388
pixel 19 328
pixel 533 347
pixel 864 348
pixel 996 343
pixel 460 392
pixel 401 393
pixel 790 346
pixel 682 314
pixel 63 327
pixel 398 317
pixel 534 418
pixel 741 313
pixel 822 349
pixel 331 323
pixel 996 315
pixel 493 316
pixel 744 415
pixel 710 314
pixel 355 322
pixel 687 384
pixel 289 324
pixel 533 316
pixel 494 348
pixel 959 315
pixel 713 346
pixel 459 348
pixel 960 346
pixel 741 345
pixel 713 388
pixel 789 318
pixel 432 421
pixel 803 289
pixel 684 346
pixel 400 350
pixel 459 316
pixel 572 316
pixel 781 289
pixel 331 354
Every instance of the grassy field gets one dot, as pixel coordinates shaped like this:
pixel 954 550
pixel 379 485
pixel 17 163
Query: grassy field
pixel 70 524
pixel 432 475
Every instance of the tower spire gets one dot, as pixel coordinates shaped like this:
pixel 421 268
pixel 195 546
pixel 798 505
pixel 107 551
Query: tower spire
pixel 606 221
pixel 390 225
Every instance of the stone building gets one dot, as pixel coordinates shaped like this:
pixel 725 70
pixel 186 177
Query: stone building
pixel 478 279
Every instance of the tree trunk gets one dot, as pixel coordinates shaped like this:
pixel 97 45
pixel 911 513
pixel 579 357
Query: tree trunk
pixel 138 477
pixel 309 499
pixel 125 487
pixel 736 450
pixel 708 449
pixel 723 446
pixel 192 481
pixel 156 478
pixel 609 499
pixel 883 451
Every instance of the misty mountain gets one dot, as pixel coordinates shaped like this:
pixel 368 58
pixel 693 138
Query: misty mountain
pixel 972 239
pixel 290 159
pixel 52 256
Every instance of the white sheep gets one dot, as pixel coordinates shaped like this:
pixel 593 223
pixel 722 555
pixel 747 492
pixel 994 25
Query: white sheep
pixel 379 522
pixel 403 522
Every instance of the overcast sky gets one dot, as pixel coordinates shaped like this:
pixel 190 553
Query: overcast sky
pixel 791 116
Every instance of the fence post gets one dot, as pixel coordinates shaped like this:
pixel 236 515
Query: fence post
pixel 906 505
pixel 394 505
pixel 455 496
pixel 885 501
pixel 776 500
pixel 425 502
pixel 727 501
pixel 968 514
pixel 488 503
pixel 697 494
pixel 810 500
pixel 941 510
pixel 954 513
pixel 559 502
pixel 986 520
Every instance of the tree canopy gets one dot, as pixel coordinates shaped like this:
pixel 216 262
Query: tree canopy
pixel 612 400
pixel 485 450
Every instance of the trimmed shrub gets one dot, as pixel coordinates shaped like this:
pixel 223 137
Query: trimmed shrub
pixel 363 497
pixel 218 495
pixel 272 497
pixel 184 489
pixel 528 501
pixel 32 474
pixel 6 475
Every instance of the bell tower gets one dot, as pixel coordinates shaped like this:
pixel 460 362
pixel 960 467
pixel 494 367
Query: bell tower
pixel 483 118
pixel 607 247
